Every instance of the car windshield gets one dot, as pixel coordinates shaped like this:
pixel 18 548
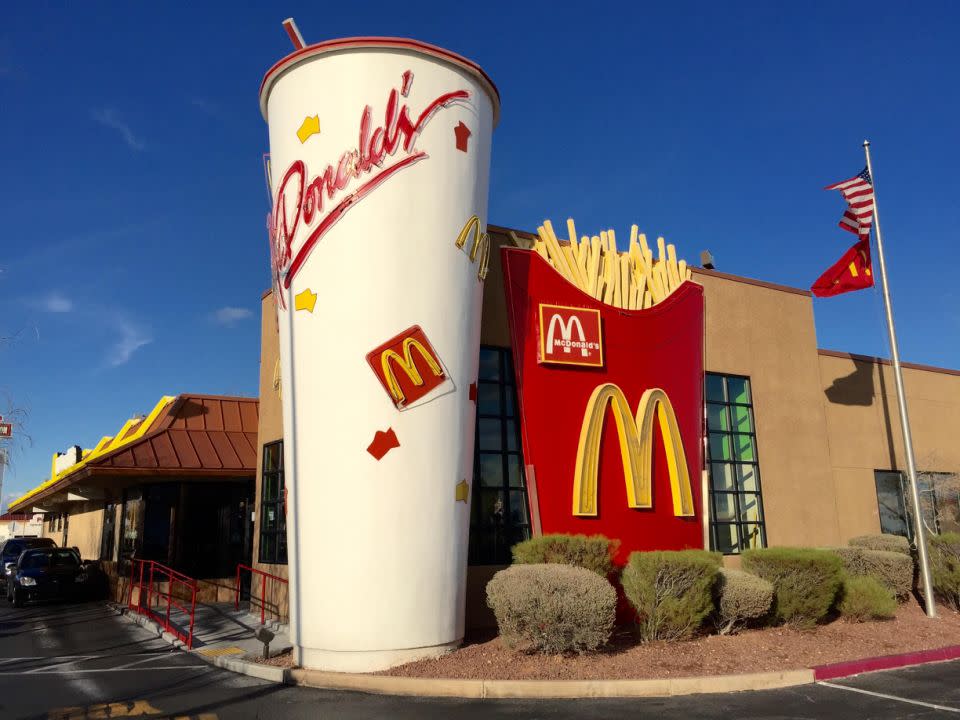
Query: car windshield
pixel 34 561
pixel 13 548
pixel 64 558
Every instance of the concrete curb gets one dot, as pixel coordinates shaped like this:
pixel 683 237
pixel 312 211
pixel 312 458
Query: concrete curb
pixel 438 687
pixel 543 689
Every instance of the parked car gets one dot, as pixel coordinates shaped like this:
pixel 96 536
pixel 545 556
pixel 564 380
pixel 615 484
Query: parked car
pixel 10 551
pixel 51 574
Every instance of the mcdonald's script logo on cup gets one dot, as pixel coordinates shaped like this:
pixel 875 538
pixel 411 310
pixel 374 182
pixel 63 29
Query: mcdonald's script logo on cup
pixel 570 336
pixel 419 366
pixel 635 433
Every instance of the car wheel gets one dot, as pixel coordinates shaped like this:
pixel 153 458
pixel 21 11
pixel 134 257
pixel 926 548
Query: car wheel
pixel 17 598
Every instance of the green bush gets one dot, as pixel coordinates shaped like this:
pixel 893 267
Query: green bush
pixel 672 592
pixel 866 598
pixel 805 581
pixel 890 543
pixel 945 567
pixel 893 570
pixel 593 553
pixel 742 597
pixel 552 608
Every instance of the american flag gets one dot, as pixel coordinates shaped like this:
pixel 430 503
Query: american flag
pixel 858 192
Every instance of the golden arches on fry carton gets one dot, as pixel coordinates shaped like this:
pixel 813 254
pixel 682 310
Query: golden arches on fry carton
pixel 636 451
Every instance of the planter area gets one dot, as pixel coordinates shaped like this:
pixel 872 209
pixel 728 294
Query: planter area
pixel 751 651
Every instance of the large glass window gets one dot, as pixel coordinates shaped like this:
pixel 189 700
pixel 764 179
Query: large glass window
pixel 736 515
pixel 273 520
pixel 500 517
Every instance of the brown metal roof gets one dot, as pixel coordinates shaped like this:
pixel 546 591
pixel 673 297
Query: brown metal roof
pixel 196 432
pixel 194 436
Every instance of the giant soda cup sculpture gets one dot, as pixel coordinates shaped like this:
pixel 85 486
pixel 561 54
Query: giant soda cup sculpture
pixel 378 169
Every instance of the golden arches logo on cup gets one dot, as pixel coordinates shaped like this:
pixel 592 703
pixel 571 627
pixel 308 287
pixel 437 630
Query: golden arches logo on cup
pixel 479 247
pixel 420 373
pixel 635 433
pixel 570 336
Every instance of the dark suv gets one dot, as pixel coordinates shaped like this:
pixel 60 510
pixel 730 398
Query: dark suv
pixel 10 551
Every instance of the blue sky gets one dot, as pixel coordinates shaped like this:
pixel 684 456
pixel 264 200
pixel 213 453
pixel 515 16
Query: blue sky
pixel 133 250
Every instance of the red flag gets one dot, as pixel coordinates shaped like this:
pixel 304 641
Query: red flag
pixel 853 271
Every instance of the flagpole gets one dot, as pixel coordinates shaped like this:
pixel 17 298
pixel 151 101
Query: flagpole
pixel 919 531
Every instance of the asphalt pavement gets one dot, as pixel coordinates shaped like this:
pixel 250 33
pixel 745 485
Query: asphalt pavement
pixel 85 662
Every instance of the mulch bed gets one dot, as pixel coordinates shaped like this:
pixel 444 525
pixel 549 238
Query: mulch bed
pixel 768 649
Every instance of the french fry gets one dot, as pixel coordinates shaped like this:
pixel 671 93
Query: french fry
pixel 672 266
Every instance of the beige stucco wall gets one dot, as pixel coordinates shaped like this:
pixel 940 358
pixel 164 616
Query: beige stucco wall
pixel 768 334
pixel 270 429
pixel 864 429
pixel 85 528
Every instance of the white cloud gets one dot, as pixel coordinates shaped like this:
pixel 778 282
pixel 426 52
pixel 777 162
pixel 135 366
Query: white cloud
pixel 108 118
pixel 204 106
pixel 57 303
pixel 230 316
pixel 132 338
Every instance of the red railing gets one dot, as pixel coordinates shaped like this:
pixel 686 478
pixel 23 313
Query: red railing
pixel 151 571
pixel 263 589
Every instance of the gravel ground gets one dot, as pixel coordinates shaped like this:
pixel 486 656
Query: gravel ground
pixel 768 649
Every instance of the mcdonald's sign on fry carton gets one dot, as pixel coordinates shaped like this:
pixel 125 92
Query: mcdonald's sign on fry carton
pixel 570 336
pixel 612 431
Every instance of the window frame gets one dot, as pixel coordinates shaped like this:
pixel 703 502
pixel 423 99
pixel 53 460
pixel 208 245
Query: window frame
pixel 735 465
pixel 507 532
pixel 277 504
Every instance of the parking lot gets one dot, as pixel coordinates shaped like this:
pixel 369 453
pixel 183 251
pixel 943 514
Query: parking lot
pixel 85 662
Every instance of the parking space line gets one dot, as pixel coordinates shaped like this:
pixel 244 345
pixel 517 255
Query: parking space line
pixel 151 658
pixel 201 666
pixel 896 698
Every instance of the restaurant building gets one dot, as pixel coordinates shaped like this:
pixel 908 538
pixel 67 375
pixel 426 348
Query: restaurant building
pixel 801 446
pixel 173 486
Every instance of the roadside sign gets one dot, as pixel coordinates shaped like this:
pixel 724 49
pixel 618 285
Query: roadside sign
pixel 6 430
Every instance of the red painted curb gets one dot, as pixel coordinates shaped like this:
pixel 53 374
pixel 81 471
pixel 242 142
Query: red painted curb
pixel 885 662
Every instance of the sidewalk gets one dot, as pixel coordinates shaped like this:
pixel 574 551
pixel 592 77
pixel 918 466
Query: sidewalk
pixel 225 637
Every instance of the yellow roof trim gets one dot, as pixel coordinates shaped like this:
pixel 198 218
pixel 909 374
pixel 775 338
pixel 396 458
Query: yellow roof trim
pixel 106 445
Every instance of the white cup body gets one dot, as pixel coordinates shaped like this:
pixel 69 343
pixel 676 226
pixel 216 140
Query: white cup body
pixel 377 548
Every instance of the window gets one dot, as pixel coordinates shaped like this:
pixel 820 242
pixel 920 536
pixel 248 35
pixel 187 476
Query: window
pixel 891 502
pixel 939 502
pixel 736 516
pixel 107 542
pixel 273 520
pixel 500 517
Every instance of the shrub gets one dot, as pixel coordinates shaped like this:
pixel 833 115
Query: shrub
pixel 552 608
pixel 945 567
pixel 805 581
pixel 672 592
pixel 741 597
pixel 890 543
pixel 593 553
pixel 893 570
pixel 866 598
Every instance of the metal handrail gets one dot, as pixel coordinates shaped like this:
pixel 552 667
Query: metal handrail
pixel 149 569
pixel 263 589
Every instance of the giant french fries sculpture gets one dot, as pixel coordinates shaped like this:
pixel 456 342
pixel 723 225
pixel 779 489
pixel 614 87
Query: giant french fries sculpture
pixel 631 280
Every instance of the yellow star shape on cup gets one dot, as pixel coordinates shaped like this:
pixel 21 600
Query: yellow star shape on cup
pixel 462 491
pixel 306 300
